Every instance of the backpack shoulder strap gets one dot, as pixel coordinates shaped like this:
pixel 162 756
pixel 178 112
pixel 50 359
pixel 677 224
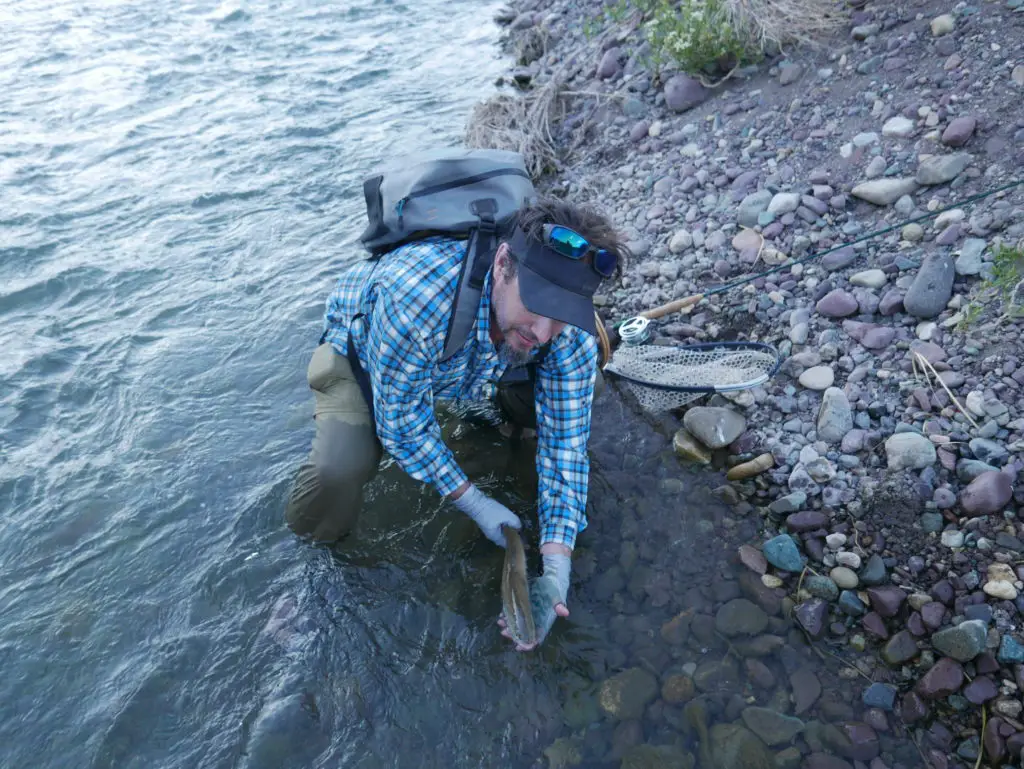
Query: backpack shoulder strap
pixel 483 245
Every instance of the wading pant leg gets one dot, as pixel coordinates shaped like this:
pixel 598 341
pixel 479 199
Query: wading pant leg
pixel 328 491
pixel 518 405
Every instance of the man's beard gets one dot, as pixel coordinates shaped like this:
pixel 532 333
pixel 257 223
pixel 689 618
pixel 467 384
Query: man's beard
pixel 509 355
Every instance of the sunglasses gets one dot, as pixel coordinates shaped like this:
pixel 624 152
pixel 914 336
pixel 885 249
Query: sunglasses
pixel 570 243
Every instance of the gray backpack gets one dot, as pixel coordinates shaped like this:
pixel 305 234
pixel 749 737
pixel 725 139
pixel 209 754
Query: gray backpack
pixel 460 193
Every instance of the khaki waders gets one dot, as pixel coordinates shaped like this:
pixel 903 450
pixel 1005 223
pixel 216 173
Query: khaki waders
pixel 328 491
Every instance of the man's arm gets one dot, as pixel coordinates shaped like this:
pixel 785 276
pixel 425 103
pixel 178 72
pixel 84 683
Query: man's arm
pixel 565 392
pixel 400 367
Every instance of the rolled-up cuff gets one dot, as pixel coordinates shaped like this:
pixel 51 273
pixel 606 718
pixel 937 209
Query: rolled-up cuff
pixel 449 479
pixel 561 532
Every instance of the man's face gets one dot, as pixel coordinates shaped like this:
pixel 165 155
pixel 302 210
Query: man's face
pixel 522 330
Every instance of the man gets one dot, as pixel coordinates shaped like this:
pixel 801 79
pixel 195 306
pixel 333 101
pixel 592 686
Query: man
pixel 378 372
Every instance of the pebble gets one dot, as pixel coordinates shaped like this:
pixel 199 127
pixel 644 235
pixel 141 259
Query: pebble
pixel 818 378
pixel 909 450
pixel 880 695
pixel 959 131
pixel 1001 589
pixel 714 426
pixel 782 553
pixel 837 304
pixel 943 25
pixel 844 577
pixel 884 192
pixel 848 559
pixel 869 278
pixel 932 288
pixel 988 493
pixel 963 642
pixel 953 538
pixel 939 169
pixel 941 680
pixel 1011 651
pixel 898 127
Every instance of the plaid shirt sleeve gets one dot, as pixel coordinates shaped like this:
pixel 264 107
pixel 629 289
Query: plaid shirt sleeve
pixel 399 367
pixel 564 392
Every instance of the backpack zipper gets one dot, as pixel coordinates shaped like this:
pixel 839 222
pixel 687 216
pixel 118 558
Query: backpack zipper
pixel 400 205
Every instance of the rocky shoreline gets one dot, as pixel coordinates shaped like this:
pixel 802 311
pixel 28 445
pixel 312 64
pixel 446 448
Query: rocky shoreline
pixel 889 520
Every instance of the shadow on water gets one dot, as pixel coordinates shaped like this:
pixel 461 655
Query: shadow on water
pixel 394 658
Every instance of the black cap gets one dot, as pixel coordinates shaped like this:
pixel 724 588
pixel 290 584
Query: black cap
pixel 554 285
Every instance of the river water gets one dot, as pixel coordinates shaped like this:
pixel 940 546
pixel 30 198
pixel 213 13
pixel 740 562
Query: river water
pixel 180 188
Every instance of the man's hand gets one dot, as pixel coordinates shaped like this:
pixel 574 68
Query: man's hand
pixel 547 593
pixel 489 514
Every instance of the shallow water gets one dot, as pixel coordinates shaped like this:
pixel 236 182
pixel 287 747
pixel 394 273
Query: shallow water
pixel 181 187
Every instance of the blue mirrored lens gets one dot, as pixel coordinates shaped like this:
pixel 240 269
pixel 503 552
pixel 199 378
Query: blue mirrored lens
pixel 568 242
pixel 604 263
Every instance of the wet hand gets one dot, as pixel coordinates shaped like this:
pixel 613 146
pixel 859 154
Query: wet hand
pixel 547 598
pixel 489 514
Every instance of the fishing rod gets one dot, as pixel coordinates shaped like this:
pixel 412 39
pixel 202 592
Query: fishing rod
pixel 636 326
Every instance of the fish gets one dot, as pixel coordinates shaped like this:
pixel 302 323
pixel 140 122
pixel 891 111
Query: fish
pixel 515 592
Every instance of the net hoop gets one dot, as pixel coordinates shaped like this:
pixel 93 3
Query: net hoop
pixel 664 377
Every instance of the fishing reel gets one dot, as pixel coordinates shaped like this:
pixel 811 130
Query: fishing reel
pixel 636 330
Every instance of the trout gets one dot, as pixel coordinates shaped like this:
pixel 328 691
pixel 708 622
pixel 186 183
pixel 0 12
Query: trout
pixel 515 592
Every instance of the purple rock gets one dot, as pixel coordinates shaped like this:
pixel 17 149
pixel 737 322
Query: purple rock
pixel 949 236
pixel 837 304
pixel 981 689
pixel 807 520
pixel 993 742
pixel 932 613
pixel 1015 744
pixel 988 493
pixel 683 93
pixel 609 66
pixel 875 625
pixel 943 591
pixel 878 337
pixel 863 741
pixel 959 131
pixel 912 708
pixel 916 626
pixel 840 259
pixel 811 615
pixel 815 548
pixel 852 442
pixel 941 680
pixel 745 180
pixel 819 207
pixel 639 131
pixel 902 648
pixel 887 599
pixel 891 303
pixel 986 663
pixel 929 350
pixel 806 689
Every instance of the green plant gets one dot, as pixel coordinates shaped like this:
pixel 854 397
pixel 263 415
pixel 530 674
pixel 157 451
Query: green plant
pixel 1008 278
pixel 698 35
pixel 707 36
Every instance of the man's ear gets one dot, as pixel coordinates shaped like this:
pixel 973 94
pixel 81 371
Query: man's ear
pixel 501 260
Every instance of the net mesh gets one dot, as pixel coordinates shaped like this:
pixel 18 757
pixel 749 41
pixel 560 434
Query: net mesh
pixel 664 378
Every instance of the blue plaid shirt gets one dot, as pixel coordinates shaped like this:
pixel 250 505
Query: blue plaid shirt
pixel 406 300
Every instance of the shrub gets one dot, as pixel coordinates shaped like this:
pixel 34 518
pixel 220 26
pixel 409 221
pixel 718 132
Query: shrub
pixel 713 35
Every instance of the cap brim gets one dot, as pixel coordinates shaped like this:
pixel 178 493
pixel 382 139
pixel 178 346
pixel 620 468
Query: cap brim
pixel 542 297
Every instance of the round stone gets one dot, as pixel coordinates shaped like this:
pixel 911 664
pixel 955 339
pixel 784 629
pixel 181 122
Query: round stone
pixel 818 378
pixel 844 577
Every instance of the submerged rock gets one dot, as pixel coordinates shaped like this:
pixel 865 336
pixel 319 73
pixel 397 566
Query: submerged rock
pixel 625 695
pixel 736 747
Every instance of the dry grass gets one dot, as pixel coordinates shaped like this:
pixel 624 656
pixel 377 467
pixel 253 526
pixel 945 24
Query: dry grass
pixel 521 123
pixel 772 25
